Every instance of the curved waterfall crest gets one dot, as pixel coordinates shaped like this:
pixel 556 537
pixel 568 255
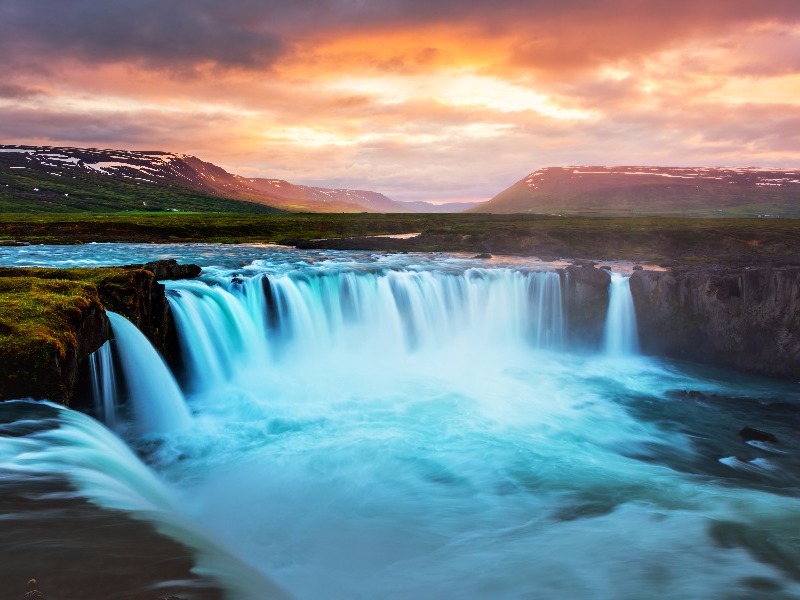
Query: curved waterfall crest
pixel 225 324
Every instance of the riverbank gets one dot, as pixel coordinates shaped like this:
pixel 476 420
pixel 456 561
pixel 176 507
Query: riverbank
pixel 665 240
pixel 53 319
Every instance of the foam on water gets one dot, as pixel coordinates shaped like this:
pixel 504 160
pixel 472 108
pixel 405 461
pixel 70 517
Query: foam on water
pixel 385 426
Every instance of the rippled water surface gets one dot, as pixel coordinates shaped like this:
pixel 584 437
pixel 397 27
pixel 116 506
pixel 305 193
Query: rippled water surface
pixel 369 425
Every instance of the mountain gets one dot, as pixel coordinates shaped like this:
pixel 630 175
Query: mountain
pixel 64 179
pixel 449 207
pixel 702 191
pixel 291 193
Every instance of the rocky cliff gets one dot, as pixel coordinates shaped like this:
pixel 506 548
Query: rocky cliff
pixel 585 304
pixel 745 318
pixel 54 318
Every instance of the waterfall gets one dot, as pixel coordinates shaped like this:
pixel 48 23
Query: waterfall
pixel 621 336
pixel 104 384
pixel 227 325
pixel 103 469
pixel 157 400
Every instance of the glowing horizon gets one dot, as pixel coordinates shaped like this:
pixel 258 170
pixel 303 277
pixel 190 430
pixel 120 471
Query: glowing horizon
pixel 420 101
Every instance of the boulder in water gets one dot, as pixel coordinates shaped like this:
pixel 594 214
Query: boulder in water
pixel 483 255
pixel 757 435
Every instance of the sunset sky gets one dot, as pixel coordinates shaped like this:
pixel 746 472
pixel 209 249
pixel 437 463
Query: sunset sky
pixel 419 99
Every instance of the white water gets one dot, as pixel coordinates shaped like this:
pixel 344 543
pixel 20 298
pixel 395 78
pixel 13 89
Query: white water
pixel 104 385
pixel 402 431
pixel 230 329
pixel 157 400
pixel 621 335
pixel 106 472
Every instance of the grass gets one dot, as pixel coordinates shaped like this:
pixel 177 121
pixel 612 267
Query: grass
pixel 31 191
pixel 42 313
pixel 38 330
pixel 640 238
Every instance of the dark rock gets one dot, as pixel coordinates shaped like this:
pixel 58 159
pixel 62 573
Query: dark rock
pixel 751 433
pixel 605 268
pixel 638 267
pixel 483 255
pixel 57 377
pixel 745 318
pixel 171 269
pixel 237 281
pixel 585 303
pixel 580 262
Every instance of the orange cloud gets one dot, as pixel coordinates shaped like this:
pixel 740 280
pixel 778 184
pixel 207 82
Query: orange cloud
pixel 419 100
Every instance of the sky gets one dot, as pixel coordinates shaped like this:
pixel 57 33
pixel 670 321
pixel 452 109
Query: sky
pixel 437 100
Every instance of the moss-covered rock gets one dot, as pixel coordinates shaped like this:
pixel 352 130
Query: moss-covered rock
pixel 47 326
pixel 52 319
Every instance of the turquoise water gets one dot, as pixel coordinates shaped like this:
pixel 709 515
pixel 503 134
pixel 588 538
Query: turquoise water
pixel 414 426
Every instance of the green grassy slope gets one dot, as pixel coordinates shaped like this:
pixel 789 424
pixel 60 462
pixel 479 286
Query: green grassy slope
pixel 34 191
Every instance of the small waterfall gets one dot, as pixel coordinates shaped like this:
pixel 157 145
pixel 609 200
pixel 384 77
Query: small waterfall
pixel 157 400
pixel 227 325
pixel 104 385
pixel 621 336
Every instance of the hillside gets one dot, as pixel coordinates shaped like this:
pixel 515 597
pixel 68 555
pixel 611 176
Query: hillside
pixel 652 191
pixel 61 179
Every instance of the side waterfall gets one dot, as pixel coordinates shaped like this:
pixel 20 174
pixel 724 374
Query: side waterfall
pixel 158 403
pixel 104 384
pixel 621 335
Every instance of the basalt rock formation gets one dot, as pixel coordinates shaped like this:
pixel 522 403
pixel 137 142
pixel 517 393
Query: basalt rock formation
pixel 55 318
pixel 745 318
pixel 586 303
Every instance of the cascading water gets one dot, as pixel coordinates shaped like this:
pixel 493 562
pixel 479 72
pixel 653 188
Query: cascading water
pixel 102 468
pixel 231 325
pixel 407 426
pixel 104 384
pixel 621 335
pixel 157 400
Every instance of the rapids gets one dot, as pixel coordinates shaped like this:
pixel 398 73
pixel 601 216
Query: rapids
pixel 414 426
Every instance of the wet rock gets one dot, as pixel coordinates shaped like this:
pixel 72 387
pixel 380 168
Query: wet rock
pixel 586 303
pixel 605 268
pixel 483 255
pixel 638 268
pixel 757 435
pixel 745 318
pixel 171 269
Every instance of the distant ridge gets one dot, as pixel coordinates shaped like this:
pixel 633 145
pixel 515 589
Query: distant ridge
pixel 650 190
pixel 50 179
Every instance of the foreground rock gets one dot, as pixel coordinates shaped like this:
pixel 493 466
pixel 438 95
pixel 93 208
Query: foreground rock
pixel 53 319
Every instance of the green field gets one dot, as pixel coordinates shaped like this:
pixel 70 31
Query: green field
pixel 27 191
pixel 651 238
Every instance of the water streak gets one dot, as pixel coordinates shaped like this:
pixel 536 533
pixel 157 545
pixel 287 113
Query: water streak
pixel 157 400
pixel 104 384
pixel 621 335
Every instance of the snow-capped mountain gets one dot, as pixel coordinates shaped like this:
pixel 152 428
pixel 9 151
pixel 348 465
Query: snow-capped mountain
pixel 747 191
pixel 83 167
